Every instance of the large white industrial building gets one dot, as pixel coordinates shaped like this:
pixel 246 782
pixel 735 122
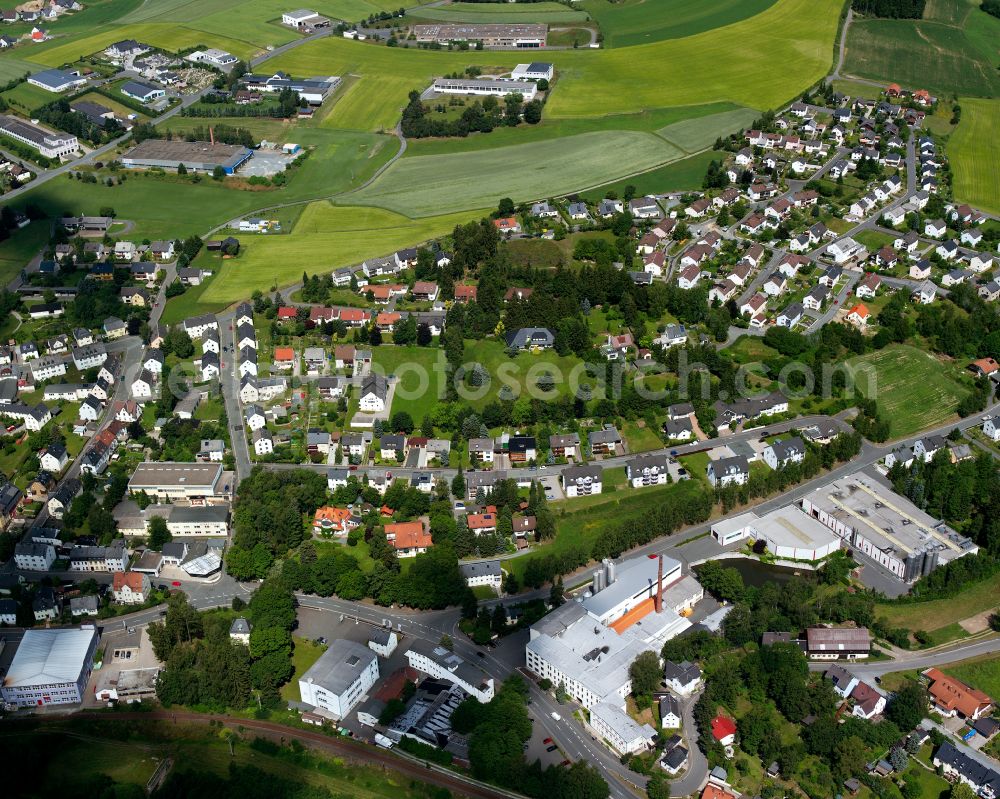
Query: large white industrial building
pixel 50 667
pixel 340 678
pixel 588 645
pixel 788 533
pixel 887 528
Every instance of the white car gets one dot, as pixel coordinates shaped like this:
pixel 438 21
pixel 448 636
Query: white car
pixel 555 716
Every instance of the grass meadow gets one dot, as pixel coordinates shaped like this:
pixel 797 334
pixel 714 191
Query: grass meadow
pixel 913 389
pixel 550 12
pixel 443 183
pixel 325 237
pixel 953 49
pixel 692 135
pixel 983 674
pixel 746 63
pixel 974 150
pixel 632 22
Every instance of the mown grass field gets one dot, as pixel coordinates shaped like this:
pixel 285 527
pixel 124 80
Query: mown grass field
pixel 982 674
pixel 370 103
pixel 974 150
pixel 939 613
pixel 553 13
pixel 692 135
pixel 304 655
pixel 913 389
pixel 633 22
pixel 325 237
pixel 11 68
pixel 683 175
pixel 746 63
pixel 952 50
pixel 652 121
pixel 443 183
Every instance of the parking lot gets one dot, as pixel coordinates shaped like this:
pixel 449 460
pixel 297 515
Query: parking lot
pixel 266 163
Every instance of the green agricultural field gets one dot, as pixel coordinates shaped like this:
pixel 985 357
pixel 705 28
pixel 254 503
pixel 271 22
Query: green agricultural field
pixel 683 175
pixel 745 63
pixel 633 22
pixel 434 183
pixel 974 150
pixel 652 121
pixel 692 135
pixel 553 13
pixel 325 237
pixel 952 50
pixel 374 102
pixel 26 98
pixel 11 68
pixel 913 389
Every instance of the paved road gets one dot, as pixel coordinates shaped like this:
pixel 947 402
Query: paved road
pixel 917 660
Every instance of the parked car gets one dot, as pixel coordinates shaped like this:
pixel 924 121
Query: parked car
pixel 551 748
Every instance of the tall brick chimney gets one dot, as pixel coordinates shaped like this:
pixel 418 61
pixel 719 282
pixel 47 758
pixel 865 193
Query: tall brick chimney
pixel 658 601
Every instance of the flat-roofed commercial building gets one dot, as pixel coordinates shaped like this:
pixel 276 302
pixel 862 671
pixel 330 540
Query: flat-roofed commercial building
pixel 887 528
pixel 443 664
pixel 340 678
pixel 50 667
pixel 483 86
pixel 588 645
pixel 522 36
pixel 178 481
pixel 787 532
pixel 198 156
pixel 51 144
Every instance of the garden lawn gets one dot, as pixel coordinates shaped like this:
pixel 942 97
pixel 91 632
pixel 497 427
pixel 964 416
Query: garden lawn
pixel 983 674
pixel 913 389
pixel 746 63
pixel 632 22
pixel 974 151
pixel 304 654
pixel 641 439
pixel 938 613
pixel 325 237
pixel 931 785
pixel 419 388
pixel 432 184
pixel 522 372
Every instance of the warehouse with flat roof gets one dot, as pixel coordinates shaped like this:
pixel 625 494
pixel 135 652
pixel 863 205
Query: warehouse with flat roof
pixel 885 527
pixel 197 156
pixel 50 667
pixel 485 87
pixel 173 480
pixel 520 36
pixel 787 532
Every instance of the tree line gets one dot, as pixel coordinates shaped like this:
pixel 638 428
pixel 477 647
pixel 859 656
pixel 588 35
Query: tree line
pixel 891 9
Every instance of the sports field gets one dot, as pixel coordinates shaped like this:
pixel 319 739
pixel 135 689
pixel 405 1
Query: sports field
pixel 953 49
pixel 974 150
pixel 553 13
pixel 433 184
pixel 632 22
pixel 325 237
pixel 746 63
pixel 913 389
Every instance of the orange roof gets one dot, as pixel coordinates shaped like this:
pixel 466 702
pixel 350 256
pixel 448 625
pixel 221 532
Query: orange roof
pixel 408 535
pixel 860 310
pixel 379 292
pixel 986 365
pixel 284 354
pixel 132 579
pixel 505 222
pixel 480 521
pixel 387 318
pixel 893 87
pixel 331 517
pixel 637 613
pixel 952 694
pixel 713 791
